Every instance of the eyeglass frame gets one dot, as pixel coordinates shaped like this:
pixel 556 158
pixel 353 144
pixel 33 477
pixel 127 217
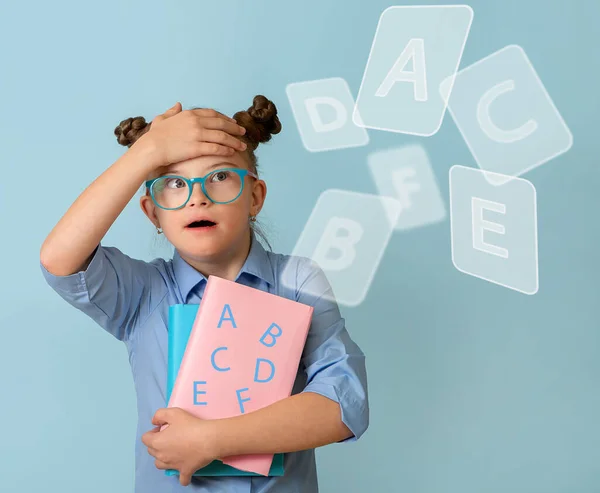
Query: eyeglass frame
pixel 190 183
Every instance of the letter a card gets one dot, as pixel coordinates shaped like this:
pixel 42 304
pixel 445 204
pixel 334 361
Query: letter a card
pixel 414 49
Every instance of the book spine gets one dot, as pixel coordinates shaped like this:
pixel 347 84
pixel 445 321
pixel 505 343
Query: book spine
pixel 195 333
pixel 174 311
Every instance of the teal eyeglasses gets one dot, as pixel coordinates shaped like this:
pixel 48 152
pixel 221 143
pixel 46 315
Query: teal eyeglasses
pixel 221 186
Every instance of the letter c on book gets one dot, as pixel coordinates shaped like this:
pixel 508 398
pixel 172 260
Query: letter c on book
pixel 212 359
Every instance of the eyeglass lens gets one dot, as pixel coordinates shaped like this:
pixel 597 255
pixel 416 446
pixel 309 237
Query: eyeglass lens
pixel 172 192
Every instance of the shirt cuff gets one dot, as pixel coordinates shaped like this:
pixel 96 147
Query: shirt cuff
pixel 355 413
pixel 74 283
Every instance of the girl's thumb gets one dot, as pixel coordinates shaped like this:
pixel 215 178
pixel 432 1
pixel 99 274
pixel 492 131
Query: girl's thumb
pixel 173 110
pixel 176 108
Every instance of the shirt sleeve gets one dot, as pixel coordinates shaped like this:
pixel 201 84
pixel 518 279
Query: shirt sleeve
pixel 115 290
pixel 334 364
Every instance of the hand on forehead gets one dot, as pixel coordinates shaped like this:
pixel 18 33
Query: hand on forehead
pixel 200 166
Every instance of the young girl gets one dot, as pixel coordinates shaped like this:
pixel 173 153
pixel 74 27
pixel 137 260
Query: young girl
pixel 211 226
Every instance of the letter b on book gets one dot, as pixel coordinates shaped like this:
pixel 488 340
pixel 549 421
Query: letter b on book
pixel 273 337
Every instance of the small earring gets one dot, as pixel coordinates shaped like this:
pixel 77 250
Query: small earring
pixel 159 231
pixel 253 218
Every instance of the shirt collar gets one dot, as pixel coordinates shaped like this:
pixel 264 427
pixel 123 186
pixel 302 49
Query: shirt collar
pixel 257 264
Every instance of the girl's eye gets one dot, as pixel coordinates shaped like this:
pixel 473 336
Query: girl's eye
pixel 219 176
pixel 175 183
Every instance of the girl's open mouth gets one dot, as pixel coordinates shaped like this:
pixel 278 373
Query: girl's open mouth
pixel 202 225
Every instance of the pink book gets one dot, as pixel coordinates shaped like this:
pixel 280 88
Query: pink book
pixel 243 354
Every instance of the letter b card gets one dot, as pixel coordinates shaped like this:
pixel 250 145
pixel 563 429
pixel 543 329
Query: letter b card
pixel 494 228
pixel 346 235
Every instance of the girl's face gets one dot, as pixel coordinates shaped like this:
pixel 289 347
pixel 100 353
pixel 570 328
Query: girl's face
pixel 186 227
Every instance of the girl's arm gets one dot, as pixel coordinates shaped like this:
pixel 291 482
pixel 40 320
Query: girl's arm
pixel 333 407
pixel 69 246
pixel 115 290
pixel 174 136
pixel 302 421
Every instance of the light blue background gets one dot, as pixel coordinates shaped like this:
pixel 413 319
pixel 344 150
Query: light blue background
pixel 474 387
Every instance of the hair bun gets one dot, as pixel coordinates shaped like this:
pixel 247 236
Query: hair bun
pixel 260 120
pixel 130 130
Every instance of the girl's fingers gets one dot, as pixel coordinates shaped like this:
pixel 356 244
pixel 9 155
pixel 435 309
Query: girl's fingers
pixel 173 110
pixel 176 108
pixel 160 464
pixel 212 149
pixel 209 112
pixel 221 137
pixel 222 124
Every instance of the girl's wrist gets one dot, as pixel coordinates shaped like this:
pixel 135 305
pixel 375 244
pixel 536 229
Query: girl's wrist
pixel 147 154
pixel 208 433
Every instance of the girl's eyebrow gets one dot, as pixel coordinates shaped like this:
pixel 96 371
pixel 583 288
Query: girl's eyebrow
pixel 175 171
pixel 170 172
pixel 221 163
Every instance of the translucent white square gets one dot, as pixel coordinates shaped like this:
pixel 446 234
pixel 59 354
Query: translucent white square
pixel 405 174
pixel 346 235
pixel 494 228
pixel 414 49
pixel 322 110
pixel 505 114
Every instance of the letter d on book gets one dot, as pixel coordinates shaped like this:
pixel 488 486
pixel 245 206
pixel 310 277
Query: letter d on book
pixel 258 362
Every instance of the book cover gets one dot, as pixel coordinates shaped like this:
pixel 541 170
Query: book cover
pixel 242 355
pixel 181 321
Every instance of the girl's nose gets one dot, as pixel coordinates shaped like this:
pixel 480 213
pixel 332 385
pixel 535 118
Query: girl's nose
pixel 197 196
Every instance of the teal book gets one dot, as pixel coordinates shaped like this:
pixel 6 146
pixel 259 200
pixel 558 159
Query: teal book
pixel 181 321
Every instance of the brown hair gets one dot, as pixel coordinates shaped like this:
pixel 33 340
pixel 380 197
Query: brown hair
pixel 260 121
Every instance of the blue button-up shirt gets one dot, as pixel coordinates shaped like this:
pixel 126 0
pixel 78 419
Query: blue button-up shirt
pixel 130 299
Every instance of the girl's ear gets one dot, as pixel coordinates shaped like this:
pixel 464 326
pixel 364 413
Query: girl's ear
pixel 149 209
pixel 259 194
